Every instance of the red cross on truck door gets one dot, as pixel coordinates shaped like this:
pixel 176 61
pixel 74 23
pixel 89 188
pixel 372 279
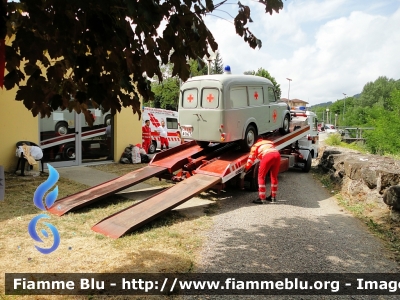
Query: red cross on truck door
pixel 209 98
pixel 189 98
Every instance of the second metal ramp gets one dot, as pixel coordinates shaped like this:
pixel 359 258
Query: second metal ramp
pixel 101 191
pixel 138 214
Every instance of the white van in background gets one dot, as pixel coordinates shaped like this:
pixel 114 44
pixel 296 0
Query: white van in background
pixel 170 117
pixel 61 121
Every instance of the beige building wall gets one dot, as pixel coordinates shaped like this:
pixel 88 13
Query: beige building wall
pixel 16 124
pixel 127 130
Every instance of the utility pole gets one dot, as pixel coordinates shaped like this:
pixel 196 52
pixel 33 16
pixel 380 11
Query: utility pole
pixel 289 92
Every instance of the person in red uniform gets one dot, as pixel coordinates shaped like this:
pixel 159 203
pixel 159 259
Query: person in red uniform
pixel 270 160
pixel 146 135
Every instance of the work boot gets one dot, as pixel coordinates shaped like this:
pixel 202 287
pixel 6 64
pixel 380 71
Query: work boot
pixel 260 201
pixel 271 199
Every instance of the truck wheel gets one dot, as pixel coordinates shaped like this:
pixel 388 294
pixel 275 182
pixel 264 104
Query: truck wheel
pixel 107 120
pixel 286 125
pixel 249 138
pixel 69 152
pixel 307 165
pixel 203 144
pixel 152 147
pixel 61 128
pixel 254 180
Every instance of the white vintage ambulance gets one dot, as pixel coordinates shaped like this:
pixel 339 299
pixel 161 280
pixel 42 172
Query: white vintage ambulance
pixel 226 108
pixel 170 117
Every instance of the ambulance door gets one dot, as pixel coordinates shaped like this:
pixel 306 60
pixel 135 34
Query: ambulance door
pixel 188 113
pixel 210 117
pixel 173 136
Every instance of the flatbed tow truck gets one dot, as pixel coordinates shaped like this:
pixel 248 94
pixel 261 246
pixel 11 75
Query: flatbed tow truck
pixel 195 170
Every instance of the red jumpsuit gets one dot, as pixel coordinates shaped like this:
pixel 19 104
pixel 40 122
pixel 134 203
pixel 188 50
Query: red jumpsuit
pixel 270 160
pixel 146 136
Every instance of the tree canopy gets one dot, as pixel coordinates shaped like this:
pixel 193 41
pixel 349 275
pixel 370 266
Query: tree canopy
pixel 217 66
pixel 377 108
pixel 264 73
pixel 63 54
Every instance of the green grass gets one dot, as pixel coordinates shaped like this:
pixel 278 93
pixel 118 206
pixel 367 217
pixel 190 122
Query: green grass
pixel 336 140
pixel 168 244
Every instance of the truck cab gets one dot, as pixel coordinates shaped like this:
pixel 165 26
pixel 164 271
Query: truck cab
pixel 311 141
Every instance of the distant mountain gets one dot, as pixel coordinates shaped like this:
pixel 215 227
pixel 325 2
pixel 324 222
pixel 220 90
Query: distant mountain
pixel 321 105
pixel 330 102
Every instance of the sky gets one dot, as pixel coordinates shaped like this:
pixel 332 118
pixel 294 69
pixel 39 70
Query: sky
pixel 327 47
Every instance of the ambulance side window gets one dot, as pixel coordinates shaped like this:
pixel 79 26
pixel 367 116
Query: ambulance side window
pixel 256 95
pixel 172 123
pixel 271 95
pixel 238 97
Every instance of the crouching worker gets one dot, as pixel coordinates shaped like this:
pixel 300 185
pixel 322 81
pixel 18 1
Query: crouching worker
pixel 28 154
pixel 270 160
pixel 139 155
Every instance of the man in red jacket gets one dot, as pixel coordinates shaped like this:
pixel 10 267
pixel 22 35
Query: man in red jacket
pixel 270 160
pixel 146 135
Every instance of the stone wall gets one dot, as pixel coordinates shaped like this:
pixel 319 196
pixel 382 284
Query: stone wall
pixel 363 177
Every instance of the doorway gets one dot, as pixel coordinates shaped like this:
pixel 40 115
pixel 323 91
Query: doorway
pixel 68 140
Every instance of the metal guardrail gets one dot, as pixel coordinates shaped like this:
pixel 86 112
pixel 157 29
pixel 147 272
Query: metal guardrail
pixel 349 135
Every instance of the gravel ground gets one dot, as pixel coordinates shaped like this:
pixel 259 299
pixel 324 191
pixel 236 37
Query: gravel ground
pixel 304 232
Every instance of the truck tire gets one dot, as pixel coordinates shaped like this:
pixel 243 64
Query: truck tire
pixel 286 125
pixel 153 147
pixel 254 180
pixel 307 165
pixel 107 120
pixel 249 140
pixel 61 128
pixel 69 152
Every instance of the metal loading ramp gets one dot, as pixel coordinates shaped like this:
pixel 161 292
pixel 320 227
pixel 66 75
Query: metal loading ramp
pixel 103 190
pixel 163 162
pixel 143 212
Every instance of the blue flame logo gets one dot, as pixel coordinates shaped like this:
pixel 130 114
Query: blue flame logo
pixel 49 201
pixel 35 236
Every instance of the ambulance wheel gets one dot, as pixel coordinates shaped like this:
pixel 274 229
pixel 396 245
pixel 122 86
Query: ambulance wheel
pixel 249 138
pixel 152 147
pixel 307 165
pixel 203 144
pixel 286 125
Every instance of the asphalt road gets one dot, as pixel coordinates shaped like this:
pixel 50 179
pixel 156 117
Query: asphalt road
pixel 304 232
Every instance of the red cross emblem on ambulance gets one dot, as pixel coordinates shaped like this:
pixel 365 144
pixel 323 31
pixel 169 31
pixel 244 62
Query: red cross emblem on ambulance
pixel 274 115
pixel 190 98
pixel 210 98
pixel 256 95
